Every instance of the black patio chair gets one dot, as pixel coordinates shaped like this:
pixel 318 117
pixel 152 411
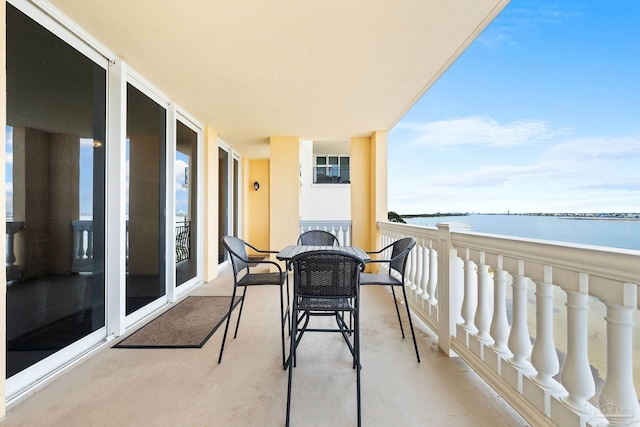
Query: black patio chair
pixel 318 238
pixel 397 263
pixel 240 262
pixel 325 283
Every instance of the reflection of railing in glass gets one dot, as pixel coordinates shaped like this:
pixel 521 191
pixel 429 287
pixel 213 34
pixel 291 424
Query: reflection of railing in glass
pixel 331 174
pixel 183 238
pixel 13 271
pixel 82 250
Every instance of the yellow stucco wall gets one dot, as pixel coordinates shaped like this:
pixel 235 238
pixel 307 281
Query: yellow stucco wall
pixel 379 190
pixel 3 278
pixel 257 207
pixel 368 189
pixel 360 192
pixel 210 201
pixel 284 180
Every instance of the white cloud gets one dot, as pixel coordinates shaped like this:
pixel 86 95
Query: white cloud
pixel 562 175
pixel 514 21
pixel 475 130
pixel 596 148
pixel 486 176
pixel 8 158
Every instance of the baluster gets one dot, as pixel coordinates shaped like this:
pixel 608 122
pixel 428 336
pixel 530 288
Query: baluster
pixel 433 275
pixel 417 279
pixel 12 270
pixel 90 244
pixel 426 272
pixel 81 249
pixel 412 269
pixel 470 297
pixel 76 243
pixel 618 400
pixel 519 341
pixel 499 322
pixel 576 373
pixel 483 313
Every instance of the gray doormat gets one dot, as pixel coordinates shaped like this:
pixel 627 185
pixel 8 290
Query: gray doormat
pixel 187 325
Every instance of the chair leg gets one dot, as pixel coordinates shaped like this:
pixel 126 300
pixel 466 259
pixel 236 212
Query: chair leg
pixel 395 301
pixel 356 337
pixel 406 303
pixel 291 361
pixel 226 326
pixel 282 323
pixel 244 292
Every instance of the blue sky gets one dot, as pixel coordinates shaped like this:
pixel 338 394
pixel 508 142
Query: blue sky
pixel 540 114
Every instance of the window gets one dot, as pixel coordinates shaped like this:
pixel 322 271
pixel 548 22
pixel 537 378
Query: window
pixel 331 170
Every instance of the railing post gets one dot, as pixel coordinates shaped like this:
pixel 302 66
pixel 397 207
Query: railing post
pixel 450 286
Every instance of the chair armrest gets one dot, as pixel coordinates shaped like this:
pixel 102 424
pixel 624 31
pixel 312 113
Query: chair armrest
pixel 269 262
pixel 381 250
pixel 260 250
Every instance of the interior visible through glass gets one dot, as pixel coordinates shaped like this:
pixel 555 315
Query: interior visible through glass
pixel 185 199
pixel 223 201
pixel 55 174
pixel 145 207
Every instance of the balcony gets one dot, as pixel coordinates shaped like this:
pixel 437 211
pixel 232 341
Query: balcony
pixel 187 386
pixel 541 328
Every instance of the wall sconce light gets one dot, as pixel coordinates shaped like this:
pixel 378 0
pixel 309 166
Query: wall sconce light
pixel 256 185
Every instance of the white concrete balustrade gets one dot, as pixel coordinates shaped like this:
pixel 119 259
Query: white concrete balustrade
pixel 340 229
pixel 526 315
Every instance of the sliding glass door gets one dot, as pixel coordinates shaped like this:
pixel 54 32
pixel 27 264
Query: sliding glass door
pixel 186 201
pixel 145 208
pixel 55 200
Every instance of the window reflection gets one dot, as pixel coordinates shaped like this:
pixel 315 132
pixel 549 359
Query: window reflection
pixel 185 199
pixel 145 155
pixel 55 172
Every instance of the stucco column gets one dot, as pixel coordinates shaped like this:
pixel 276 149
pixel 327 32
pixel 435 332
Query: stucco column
pixel 368 189
pixel 210 201
pixel 284 191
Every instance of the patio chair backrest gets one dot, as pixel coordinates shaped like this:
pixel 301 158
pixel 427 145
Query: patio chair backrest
pixel 401 249
pixel 318 238
pixel 326 274
pixel 237 252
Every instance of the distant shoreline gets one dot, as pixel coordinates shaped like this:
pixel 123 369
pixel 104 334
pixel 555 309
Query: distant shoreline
pixel 633 217
pixel 595 218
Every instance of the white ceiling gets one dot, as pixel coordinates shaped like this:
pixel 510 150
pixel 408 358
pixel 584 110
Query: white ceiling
pixel 317 69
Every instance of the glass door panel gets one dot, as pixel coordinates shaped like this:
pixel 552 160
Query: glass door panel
pixel 186 203
pixel 223 202
pixel 145 207
pixel 236 196
pixel 55 175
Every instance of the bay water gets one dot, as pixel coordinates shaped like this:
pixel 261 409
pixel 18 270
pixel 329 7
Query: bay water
pixel 600 232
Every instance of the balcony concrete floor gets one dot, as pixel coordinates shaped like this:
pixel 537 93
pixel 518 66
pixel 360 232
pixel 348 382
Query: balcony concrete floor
pixel 187 387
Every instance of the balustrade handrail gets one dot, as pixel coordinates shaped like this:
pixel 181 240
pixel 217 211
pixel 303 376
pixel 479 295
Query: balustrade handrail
pixel 459 284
